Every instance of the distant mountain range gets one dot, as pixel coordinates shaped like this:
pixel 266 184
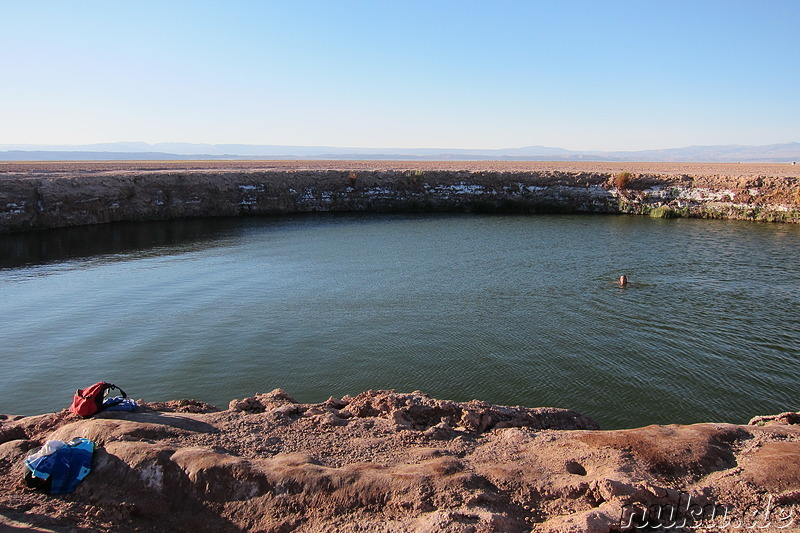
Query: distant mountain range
pixel 731 153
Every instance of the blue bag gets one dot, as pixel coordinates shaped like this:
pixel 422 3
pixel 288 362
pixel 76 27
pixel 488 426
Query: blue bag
pixel 61 470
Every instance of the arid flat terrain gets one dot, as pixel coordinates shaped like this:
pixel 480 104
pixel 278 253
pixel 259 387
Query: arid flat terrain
pixel 732 170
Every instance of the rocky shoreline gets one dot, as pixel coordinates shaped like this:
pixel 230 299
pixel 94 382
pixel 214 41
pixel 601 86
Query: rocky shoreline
pixel 388 461
pixel 48 195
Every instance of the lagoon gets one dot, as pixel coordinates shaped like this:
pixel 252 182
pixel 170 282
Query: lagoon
pixel 518 310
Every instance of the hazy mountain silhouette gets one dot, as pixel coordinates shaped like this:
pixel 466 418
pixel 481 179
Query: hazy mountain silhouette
pixel 776 153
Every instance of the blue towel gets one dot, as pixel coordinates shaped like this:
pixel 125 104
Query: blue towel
pixel 66 467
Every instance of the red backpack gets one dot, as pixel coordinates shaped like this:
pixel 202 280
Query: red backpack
pixel 89 401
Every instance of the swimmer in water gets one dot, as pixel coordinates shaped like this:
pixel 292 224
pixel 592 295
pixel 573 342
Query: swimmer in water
pixel 623 280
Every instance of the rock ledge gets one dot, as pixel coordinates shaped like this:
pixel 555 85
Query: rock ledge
pixel 388 461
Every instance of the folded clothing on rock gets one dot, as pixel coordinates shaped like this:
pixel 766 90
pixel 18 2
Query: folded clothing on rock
pixel 120 403
pixel 58 467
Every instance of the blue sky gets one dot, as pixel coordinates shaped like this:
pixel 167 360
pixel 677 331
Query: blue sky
pixel 583 75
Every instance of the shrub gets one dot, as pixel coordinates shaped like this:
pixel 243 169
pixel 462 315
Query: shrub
pixel 622 179
pixel 665 211
pixel 414 176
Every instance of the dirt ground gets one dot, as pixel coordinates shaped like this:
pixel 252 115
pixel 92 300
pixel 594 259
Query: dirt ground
pixel 402 462
pixel 731 170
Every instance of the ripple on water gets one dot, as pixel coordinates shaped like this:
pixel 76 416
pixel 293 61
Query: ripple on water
pixel 508 309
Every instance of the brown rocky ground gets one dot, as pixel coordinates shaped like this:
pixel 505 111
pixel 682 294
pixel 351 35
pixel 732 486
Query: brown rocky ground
pixel 385 461
pixel 732 170
pixel 46 195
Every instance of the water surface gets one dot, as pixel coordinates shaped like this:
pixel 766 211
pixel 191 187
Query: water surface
pixel 519 310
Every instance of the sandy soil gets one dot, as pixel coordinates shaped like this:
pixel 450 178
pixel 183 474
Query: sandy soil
pixel 733 170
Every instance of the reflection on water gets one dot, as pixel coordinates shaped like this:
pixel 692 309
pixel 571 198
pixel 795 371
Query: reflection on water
pixel 507 309
pixel 108 240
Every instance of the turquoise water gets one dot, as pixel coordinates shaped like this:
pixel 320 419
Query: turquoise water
pixel 519 310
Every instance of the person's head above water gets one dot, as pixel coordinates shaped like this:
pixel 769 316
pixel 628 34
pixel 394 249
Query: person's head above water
pixel 623 280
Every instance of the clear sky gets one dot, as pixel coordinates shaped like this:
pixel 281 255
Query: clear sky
pixel 582 75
